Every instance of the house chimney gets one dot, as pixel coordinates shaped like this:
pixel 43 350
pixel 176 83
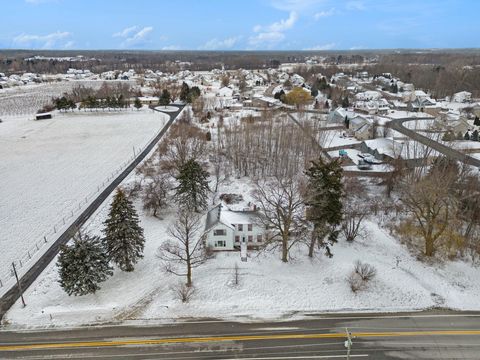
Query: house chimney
pixel 219 211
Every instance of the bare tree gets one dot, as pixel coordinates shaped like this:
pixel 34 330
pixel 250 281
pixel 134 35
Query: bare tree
pixel 185 142
pixel 155 193
pixel 281 204
pixel 356 207
pixel 186 249
pixel 431 206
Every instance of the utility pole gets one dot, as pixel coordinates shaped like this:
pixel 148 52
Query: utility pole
pixel 18 284
pixel 348 343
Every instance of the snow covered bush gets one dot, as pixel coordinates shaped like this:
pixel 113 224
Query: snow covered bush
pixel 360 276
pixel 183 292
pixel 355 282
pixel 366 271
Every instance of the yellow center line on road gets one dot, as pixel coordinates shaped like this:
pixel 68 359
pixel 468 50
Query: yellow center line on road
pixel 112 343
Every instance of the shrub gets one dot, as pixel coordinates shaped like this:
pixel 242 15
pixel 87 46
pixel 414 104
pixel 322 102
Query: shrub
pixel 355 282
pixel 366 271
pixel 183 292
pixel 360 276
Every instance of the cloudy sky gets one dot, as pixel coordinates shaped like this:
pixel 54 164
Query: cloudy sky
pixel 239 24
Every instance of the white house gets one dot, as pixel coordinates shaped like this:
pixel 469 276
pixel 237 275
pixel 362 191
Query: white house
pixel 226 229
pixel 225 92
pixel 462 97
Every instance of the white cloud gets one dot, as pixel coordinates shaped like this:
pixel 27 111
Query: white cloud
pixel 279 26
pixel 324 13
pixel 69 45
pixel 266 38
pixel 273 33
pixel 355 5
pixel 125 32
pixel 322 47
pixel 134 36
pixel 216 44
pixel 49 41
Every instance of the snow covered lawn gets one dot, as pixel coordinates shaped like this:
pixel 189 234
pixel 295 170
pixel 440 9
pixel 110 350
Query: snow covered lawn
pixel 268 288
pixel 48 167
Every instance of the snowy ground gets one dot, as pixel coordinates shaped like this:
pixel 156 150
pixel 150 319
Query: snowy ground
pixel 48 167
pixel 268 288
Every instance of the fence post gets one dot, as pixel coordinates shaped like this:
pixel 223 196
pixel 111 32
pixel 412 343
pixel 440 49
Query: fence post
pixel 45 239
pixel 54 229
pixel 18 284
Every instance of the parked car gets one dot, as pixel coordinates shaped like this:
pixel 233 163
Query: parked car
pixel 363 165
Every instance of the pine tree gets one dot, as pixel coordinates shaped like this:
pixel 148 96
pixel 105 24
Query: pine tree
pixel 123 239
pixel 192 188
pixel 137 103
pixel 476 122
pixel 164 98
pixel 474 136
pixel 83 265
pixel 466 136
pixel 185 92
pixel 324 203
pixel 345 102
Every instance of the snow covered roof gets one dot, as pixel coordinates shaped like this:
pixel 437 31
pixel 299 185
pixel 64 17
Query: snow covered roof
pixel 228 217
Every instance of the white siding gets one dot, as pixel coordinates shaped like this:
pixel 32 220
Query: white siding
pixel 212 239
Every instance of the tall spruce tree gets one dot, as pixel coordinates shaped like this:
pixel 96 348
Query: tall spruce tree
pixel 83 265
pixel 123 239
pixel 137 103
pixel 164 98
pixel 324 203
pixel 184 92
pixel 192 188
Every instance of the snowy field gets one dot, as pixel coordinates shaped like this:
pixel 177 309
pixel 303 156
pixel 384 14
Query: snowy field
pixel 48 167
pixel 29 99
pixel 268 288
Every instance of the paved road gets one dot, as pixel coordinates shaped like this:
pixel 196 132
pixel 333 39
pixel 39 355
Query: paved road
pixel 31 275
pixel 397 125
pixel 428 335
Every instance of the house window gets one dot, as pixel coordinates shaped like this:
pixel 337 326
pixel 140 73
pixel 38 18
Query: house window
pixel 240 227
pixel 250 227
pixel 220 243
pixel 259 238
pixel 237 238
pixel 219 232
pixel 250 238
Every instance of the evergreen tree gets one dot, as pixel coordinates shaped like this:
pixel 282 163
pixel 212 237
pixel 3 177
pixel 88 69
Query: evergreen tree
pixel 347 122
pixel 324 203
pixel 314 91
pixel 185 92
pixel 164 98
pixel 476 122
pixel 83 265
pixel 192 188
pixel 137 103
pixel 123 239
pixel 459 136
pixel 467 136
pixel 345 102
pixel 474 136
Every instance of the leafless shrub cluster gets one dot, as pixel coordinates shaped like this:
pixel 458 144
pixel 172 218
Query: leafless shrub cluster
pixel 183 292
pixel 360 276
